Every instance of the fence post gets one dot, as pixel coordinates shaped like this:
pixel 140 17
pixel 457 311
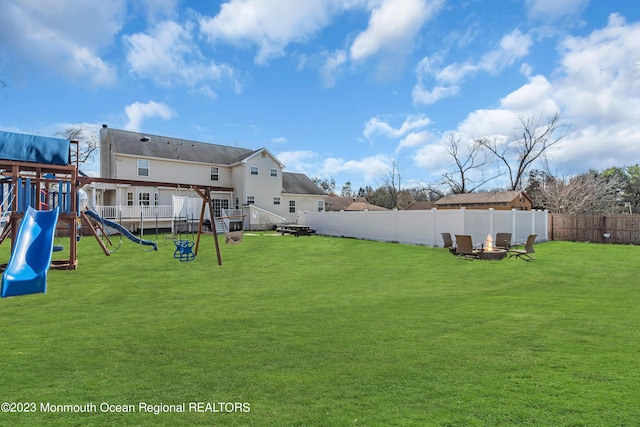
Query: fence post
pixel 491 221
pixel 546 223
pixel 434 221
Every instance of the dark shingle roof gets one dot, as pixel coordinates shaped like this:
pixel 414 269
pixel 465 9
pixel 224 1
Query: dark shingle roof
pixel 488 197
pixel 421 205
pixel 299 183
pixel 145 145
pixel 340 203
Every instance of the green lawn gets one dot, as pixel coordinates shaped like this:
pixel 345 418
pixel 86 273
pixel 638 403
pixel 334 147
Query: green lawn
pixel 319 331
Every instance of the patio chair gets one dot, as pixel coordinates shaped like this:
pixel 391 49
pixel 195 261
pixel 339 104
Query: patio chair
pixel 528 249
pixel 464 247
pixel 448 242
pixel 503 241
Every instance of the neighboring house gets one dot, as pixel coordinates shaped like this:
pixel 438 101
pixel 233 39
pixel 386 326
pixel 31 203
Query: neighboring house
pixel 502 200
pixel 340 203
pixel 251 180
pixel 422 205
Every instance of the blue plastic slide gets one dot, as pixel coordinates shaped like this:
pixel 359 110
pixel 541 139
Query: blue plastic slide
pixel 27 270
pixel 121 229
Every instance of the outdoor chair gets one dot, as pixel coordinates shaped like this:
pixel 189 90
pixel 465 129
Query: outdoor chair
pixel 528 249
pixel 464 247
pixel 448 242
pixel 503 241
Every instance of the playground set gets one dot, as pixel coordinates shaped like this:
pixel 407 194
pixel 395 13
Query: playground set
pixel 41 191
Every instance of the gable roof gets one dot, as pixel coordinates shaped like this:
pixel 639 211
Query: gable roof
pixel 421 205
pixel 299 183
pixel 256 152
pixel 163 147
pixel 340 203
pixel 364 206
pixel 497 197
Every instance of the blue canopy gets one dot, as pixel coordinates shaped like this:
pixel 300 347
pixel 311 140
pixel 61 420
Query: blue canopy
pixel 35 149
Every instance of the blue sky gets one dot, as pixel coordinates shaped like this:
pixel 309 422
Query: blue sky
pixel 334 88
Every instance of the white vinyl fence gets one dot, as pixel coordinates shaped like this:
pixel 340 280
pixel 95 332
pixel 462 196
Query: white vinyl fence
pixel 423 227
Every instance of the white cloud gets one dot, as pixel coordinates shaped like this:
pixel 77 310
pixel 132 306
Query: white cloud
pixel 421 95
pixel 598 89
pixel 377 126
pixel 414 139
pixel 66 35
pixel 156 9
pixel 481 123
pixel 138 111
pixel 168 55
pixel 599 79
pixel 433 158
pixel 279 140
pixel 299 161
pixel 270 25
pixel 369 168
pixel 535 97
pixel 513 47
pixel 393 25
pixel 364 171
pixel 554 9
pixel 332 67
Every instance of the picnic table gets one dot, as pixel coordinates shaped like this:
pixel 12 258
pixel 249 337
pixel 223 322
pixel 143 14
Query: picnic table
pixel 296 230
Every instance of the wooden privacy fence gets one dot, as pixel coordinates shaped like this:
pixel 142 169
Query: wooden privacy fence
pixel 595 228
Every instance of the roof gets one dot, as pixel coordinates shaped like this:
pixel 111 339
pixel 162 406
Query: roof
pixel 483 198
pixel 364 206
pixel 421 205
pixel 299 183
pixel 340 203
pixel 163 147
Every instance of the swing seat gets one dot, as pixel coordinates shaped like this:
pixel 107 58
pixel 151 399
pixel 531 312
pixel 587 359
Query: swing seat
pixel 184 250
pixel 58 248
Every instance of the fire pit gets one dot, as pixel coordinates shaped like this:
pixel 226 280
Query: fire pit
pixel 493 255
pixel 489 253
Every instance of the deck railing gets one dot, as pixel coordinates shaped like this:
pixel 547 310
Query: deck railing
pixel 133 212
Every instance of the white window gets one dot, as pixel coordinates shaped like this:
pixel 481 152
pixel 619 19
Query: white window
pixel 237 202
pixel 274 172
pixel 320 205
pixel 129 199
pixel 254 170
pixel 276 200
pixel 143 199
pixel 292 206
pixel 214 173
pixel 143 167
pixel 251 200
pixel 155 199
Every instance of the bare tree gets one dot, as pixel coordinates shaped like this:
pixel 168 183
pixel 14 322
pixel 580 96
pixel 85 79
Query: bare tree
pixel 327 185
pixel 589 192
pixel 391 185
pixel 468 175
pixel 536 137
pixel 346 190
pixel 87 143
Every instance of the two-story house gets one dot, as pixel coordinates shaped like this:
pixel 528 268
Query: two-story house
pixel 239 178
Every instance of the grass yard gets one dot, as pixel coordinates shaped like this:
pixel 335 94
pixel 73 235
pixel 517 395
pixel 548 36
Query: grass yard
pixel 319 331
